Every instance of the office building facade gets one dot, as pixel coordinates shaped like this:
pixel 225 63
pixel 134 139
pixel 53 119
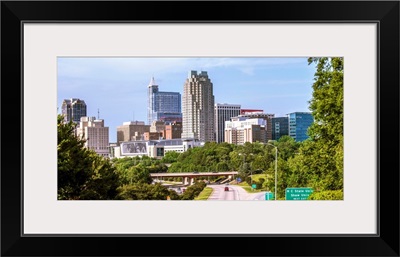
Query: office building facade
pixel 73 109
pixel 224 112
pixel 240 130
pixel 261 115
pixel 95 134
pixel 299 122
pixel 280 127
pixel 198 107
pixel 131 131
pixel 173 130
pixel 164 106
pixel 250 111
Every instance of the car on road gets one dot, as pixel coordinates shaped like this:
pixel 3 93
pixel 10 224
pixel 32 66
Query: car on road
pixel 226 189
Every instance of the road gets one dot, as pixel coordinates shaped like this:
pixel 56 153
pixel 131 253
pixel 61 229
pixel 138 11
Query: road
pixel 235 193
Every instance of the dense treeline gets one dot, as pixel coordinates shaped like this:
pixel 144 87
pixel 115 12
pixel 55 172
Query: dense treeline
pixel 320 162
pixel 84 175
pixel 316 162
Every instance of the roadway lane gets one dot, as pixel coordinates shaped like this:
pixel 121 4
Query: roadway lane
pixel 235 193
pixel 257 196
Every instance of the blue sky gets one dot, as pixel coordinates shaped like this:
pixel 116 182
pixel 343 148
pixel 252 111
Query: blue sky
pixel 117 87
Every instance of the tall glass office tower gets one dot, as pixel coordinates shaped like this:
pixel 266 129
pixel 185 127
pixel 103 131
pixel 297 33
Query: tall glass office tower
pixel 299 122
pixel 164 106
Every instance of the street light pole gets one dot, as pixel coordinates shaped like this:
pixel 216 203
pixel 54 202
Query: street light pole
pixel 276 167
pixel 251 179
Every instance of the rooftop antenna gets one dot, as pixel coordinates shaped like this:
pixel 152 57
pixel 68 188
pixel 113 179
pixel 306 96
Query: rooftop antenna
pixel 98 114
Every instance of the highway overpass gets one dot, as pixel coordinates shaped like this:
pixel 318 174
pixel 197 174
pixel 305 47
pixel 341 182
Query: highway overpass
pixel 189 177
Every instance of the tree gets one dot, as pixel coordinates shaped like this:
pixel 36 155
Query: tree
pixel 327 100
pixel 319 162
pixel 143 191
pixel 193 191
pixel 82 174
pixel 222 166
pixel 260 162
pixel 244 171
pixel 287 147
pixel 170 157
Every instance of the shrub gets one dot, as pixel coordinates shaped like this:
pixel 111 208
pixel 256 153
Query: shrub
pixel 327 195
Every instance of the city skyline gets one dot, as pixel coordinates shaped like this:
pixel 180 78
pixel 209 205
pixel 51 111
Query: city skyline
pixel 117 87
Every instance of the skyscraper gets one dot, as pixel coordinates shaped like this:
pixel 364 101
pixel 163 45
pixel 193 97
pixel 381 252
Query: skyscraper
pixel 73 109
pixel 299 122
pixel 198 107
pixel 224 112
pixel 164 106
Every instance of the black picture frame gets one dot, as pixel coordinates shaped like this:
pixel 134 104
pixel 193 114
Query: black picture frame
pixel 383 13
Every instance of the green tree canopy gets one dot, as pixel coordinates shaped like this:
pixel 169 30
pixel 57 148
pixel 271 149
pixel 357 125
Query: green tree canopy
pixel 319 162
pixel 82 174
pixel 146 192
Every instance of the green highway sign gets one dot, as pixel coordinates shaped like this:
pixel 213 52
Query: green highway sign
pixel 269 196
pixel 298 193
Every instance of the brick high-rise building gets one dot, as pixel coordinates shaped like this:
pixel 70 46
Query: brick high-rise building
pixel 131 130
pixel 173 130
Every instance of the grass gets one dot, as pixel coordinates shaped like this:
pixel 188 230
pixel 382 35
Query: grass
pixel 257 177
pixel 172 182
pixel 248 188
pixel 204 194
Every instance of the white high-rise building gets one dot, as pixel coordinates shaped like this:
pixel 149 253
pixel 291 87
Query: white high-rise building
pixel 96 135
pixel 198 107
pixel 240 130
pixel 224 112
